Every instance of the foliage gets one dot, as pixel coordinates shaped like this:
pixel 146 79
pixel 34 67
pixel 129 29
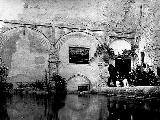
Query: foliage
pixel 138 78
pixel 104 50
pixel 3 73
pixel 4 86
pixel 39 85
pixel 126 53
pixel 60 83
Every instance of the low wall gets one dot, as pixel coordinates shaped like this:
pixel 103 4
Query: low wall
pixel 143 91
pixel 137 91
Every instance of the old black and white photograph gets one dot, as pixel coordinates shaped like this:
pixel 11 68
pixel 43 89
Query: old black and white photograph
pixel 79 59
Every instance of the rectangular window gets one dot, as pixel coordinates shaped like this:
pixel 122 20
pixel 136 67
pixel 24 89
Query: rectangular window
pixel 79 55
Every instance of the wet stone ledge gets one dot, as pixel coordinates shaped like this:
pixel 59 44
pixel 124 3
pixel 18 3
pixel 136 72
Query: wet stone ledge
pixel 129 92
pixel 136 91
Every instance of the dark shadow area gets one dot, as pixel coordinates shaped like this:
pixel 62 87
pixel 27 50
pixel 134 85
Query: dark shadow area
pixel 140 77
pixel 3 106
pixel 54 104
pixel 60 84
pixel 86 107
pixel 133 110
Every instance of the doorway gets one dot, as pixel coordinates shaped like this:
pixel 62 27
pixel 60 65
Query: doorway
pixel 123 66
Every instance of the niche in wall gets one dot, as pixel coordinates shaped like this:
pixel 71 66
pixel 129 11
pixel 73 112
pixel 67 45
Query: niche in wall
pixel 79 55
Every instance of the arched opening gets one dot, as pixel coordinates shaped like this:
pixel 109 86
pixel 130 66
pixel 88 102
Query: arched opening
pixel 119 45
pixel 122 64
pixel 71 64
pixel 78 83
pixel 25 52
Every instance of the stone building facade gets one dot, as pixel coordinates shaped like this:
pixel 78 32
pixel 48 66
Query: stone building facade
pixel 46 29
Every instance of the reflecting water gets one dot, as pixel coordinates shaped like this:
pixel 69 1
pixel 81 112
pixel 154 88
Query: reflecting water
pixel 74 107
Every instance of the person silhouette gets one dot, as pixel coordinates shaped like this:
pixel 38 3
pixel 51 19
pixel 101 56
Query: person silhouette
pixel 112 72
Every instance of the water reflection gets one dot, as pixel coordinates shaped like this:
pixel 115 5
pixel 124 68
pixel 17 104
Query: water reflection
pixel 3 107
pixel 74 107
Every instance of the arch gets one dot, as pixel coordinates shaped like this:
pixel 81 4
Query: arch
pixel 113 40
pixel 46 40
pixel 80 75
pixel 10 37
pixel 61 40
pixel 124 44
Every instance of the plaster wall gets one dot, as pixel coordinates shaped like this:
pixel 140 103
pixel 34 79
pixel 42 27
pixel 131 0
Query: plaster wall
pixel 67 70
pixel 117 15
pixel 26 55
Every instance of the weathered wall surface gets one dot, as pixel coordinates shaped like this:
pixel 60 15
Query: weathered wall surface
pixel 66 69
pixel 25 52
pixel 82 13
pixel 150 33
pixel 113 17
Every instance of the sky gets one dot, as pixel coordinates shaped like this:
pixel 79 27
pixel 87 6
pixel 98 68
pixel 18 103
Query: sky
pixel 9 9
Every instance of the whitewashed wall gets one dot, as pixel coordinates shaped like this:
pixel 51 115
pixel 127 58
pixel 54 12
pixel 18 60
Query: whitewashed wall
pixel 67 70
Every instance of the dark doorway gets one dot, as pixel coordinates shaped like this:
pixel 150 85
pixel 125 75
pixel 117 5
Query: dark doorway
pixel 84 87
pixel 123 66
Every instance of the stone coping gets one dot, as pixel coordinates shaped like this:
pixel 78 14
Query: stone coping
pixel 136 91
pixel 143 91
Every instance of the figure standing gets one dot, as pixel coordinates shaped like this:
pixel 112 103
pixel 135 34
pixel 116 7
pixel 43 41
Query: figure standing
pixel 113 73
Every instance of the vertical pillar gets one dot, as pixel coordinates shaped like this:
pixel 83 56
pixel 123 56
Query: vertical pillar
pixel 53 56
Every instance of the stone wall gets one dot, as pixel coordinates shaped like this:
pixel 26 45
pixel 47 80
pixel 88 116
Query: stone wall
pixel 99 18
pixel 120 14
pixel 25 53
pixel 66 69
pixel 150 29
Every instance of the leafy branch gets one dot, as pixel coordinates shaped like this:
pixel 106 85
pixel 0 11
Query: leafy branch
pixel 105 51
pixel 127 53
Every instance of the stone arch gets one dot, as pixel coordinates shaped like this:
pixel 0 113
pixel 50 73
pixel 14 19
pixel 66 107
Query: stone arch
pixel 9 37
pixel 17 28
pixel 123 40
pixel 84 81
pixel 80 75
pixel 37 59
pixel 113 40
pixel 62 39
